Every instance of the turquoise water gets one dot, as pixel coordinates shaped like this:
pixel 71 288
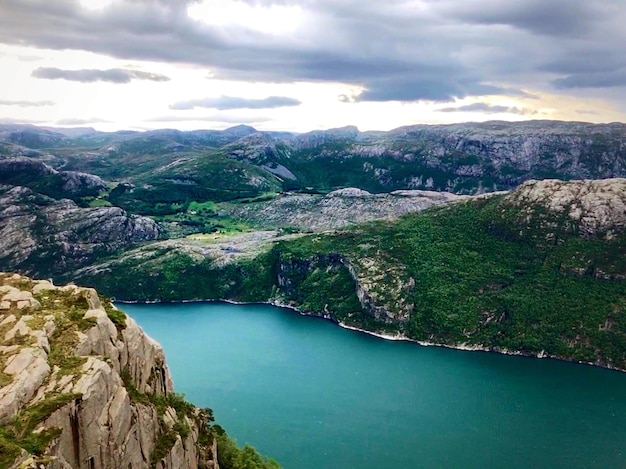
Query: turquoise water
pixel 315 396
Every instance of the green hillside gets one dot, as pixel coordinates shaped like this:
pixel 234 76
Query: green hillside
pixel 501 272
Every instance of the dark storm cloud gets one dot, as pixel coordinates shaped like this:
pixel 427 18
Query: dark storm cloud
pixel 486 109
pixel 113 75
pixel 593 80
pixel 232 102
pixel 4 102
pixel 395 50
pixel 551 17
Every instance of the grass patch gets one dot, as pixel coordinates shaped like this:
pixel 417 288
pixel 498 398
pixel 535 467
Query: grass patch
pixel 98 202
pixel 62 344
pixel 19 434
pixel 116 316
pixel 9 451
pixel 5 379
pixel 133 392
pixel 165 442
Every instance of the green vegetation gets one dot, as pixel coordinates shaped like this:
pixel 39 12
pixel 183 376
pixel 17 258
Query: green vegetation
pixel 19 434
pixel 96 202
pixel 172 275
pixel 479 273
pixel 188 221
pixel 68 310
pixel 116 316
pixel 52 185
pixel 211 177
pixel 168 436
pixel 230 456
pixel 476 280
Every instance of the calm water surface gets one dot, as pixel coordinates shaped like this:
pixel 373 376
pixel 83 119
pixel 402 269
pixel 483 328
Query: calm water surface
pixel 315 396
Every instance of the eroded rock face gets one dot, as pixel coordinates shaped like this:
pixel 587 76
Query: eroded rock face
pixel 42 236
pixel 389 304
pixel 88 385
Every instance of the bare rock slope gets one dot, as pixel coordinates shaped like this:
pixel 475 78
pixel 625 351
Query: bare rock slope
pixel 338 209
pixel 591 208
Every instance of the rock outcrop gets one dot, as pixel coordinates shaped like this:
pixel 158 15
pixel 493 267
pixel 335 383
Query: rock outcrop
pixel 46 237
pixel 32 172
pixel 337 209
pixel 82 386
pixel 591 208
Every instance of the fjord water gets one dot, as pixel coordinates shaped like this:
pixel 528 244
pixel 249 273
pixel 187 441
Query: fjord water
pixel 313 395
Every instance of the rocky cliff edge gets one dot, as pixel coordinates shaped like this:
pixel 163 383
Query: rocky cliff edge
pixel 82 386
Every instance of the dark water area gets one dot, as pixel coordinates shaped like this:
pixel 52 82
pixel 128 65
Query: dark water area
pixel 313 395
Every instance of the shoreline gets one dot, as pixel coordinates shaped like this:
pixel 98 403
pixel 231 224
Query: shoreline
pixel 478 348
pixel 390 337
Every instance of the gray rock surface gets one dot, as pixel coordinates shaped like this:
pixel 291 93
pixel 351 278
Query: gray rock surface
pixel 43 236
pixel 100 423
pixel 21 170
pixel 337 209
pixel 596 208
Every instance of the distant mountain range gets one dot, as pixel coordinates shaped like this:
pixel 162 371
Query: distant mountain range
pixel 171 166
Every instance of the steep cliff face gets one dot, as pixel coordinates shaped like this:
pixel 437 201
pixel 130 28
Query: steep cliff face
pixel 461 158
pixel 335 287
pixel 46 237
pixel 82 386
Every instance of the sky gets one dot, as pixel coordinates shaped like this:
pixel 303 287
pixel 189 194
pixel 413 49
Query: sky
pixel 300 65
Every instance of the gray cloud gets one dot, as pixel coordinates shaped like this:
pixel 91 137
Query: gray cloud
pixel 486 109
pixel 113 75
pixel 29 58
pixel 610 79
pixel 4 102
pixel 232 102
pixel 550 18
pixel 395 51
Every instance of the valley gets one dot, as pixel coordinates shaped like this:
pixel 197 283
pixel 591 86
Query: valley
pixel 324 223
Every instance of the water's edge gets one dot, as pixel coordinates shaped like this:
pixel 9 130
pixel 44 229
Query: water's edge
pixel 394 337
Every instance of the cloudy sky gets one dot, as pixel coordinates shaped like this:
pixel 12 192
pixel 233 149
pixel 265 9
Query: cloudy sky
pixel 309 64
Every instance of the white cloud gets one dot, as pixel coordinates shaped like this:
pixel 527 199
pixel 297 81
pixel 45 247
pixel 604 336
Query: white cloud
pixel 272 19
